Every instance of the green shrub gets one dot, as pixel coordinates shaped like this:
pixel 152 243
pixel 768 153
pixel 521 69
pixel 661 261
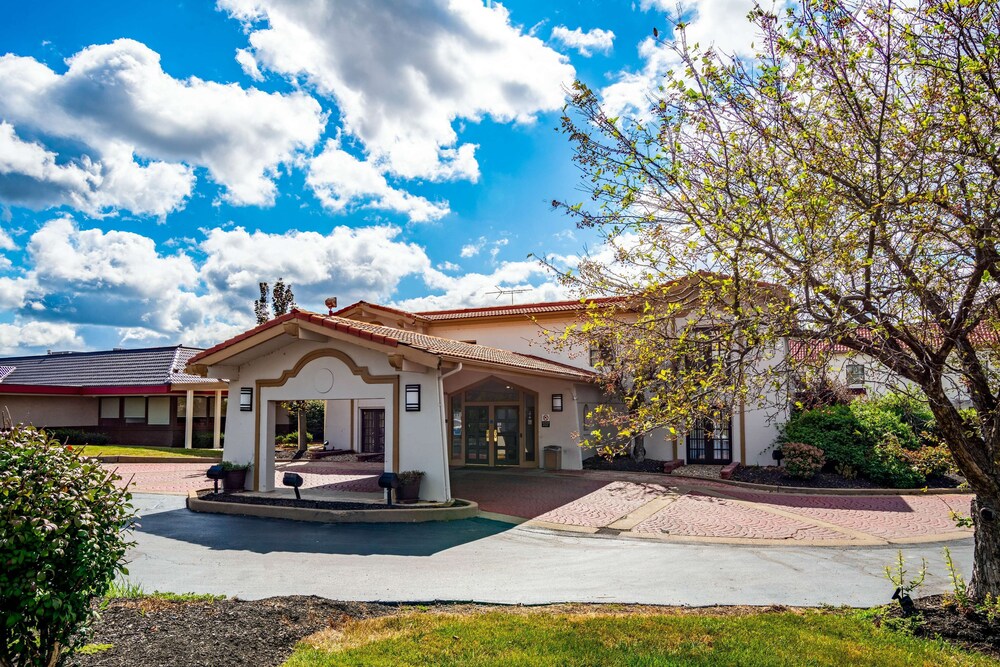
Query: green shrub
pixel 890 467
pixel 931 460
pixel 835 430
pixel 877 422
pixel 292 438
pixel 206 440
pixel 76 437
pixel 912 412
pixel 802 460
pixel 62 542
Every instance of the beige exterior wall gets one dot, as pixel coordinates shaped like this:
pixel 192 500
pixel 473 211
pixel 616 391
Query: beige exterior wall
pixel 53 411
pixel 250 435
pixel 521 335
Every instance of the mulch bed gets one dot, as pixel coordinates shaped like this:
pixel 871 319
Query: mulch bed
pixel 971 631
pixel 154 632
pixel 622 464
pixel 244 499
pixel 223 633
pixel 776 476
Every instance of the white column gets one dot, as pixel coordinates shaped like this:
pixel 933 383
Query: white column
pixel 217 427
pixel 189 419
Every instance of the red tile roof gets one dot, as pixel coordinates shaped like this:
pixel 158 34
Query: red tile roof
pixel 984 336
pixel 526 309
pixel 389 336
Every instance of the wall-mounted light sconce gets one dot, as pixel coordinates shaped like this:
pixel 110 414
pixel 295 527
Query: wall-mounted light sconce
pixel 413 398
pixel 246 399
pixel 557 403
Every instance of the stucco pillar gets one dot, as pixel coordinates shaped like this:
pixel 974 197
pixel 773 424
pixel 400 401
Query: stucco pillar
pixel 189 419
pixel 217 426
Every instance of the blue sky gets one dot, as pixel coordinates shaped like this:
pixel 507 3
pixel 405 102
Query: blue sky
pixel 158 159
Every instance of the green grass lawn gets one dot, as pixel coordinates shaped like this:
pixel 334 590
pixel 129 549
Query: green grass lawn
pixel 520 637
pixel 169 452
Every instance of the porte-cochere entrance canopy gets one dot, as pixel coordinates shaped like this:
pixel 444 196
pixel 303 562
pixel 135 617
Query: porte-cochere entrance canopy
pixel 428 402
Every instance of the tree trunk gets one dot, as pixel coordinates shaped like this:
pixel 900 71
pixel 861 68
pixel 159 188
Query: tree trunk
pixel 638 449
pixel 303 445
pixel 986 562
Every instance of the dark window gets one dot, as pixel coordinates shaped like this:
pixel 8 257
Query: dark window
pixel 456 427
pixel 600 352
pixel 492 391
pixel 372 431
pixel 855 374
pixel 710 441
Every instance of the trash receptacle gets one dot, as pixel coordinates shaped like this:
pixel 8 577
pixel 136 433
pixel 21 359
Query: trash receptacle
pixel 552 458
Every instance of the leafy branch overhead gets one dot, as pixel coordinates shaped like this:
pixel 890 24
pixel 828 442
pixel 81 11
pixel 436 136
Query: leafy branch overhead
pixel 839 188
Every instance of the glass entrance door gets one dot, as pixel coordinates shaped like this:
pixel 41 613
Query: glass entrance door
pixel 506 435
pixel 477 434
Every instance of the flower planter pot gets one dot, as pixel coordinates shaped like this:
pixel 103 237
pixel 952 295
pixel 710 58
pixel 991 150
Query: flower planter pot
pixel 408 492
pixel 234 480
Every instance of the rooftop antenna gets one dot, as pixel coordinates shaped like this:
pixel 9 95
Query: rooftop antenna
pixel 500 292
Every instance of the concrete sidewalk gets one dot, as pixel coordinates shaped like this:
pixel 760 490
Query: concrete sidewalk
pixel 489 561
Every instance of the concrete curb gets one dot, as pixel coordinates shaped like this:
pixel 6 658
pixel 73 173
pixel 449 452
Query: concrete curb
pixel 803 490
pixel 209 460
pixel 667 479
pixel 466 510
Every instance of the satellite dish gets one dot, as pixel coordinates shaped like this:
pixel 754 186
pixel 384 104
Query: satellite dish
pixel 331 303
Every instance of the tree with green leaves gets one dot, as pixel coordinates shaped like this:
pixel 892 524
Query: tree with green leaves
pixel 841 186
pixel 273 303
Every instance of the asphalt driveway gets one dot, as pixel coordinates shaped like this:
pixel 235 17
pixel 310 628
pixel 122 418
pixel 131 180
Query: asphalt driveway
pixel 491 561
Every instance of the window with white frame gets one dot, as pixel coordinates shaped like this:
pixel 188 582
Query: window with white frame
pixel 855 374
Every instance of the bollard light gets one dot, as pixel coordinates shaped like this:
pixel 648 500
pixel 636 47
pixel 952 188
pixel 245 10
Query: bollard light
pixel 215 473
pixel 293 480
pixel 388 481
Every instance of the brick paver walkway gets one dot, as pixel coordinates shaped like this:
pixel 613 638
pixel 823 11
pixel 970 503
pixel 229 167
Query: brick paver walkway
pixel 647 506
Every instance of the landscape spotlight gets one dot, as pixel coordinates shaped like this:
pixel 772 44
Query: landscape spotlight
pixel 215 473
pixel 293 480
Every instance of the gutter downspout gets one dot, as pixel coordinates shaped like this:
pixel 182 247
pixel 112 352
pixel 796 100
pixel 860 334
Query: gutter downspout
pixel 446 443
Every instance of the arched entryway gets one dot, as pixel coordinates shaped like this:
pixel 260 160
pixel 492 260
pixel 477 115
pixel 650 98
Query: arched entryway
pixel 493 422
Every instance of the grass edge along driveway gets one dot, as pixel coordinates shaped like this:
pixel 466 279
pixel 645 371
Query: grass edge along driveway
pixel 151 452
pixel 537 637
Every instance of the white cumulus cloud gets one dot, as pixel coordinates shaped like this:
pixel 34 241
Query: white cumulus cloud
pixel 36 336
pixel 341 182
pixel 137 133
pixel 403 73
pixel 587 43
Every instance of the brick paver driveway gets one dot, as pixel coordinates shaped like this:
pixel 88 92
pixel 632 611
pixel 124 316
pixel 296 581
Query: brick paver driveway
pixel 644 506
pixel 661 507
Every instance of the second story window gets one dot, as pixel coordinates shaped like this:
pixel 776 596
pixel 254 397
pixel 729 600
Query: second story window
pixel 855 374
pixel 600 352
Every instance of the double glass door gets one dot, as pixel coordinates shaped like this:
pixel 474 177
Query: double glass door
pixel 492 434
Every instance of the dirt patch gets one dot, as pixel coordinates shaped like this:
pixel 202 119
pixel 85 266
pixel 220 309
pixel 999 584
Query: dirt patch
pixel 243 499
pixel 622 464
pixel 221 633
pixel 972 631
pixel 776 476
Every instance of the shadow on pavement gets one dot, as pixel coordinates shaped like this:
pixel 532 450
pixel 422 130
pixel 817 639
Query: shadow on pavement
pixel 239 533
